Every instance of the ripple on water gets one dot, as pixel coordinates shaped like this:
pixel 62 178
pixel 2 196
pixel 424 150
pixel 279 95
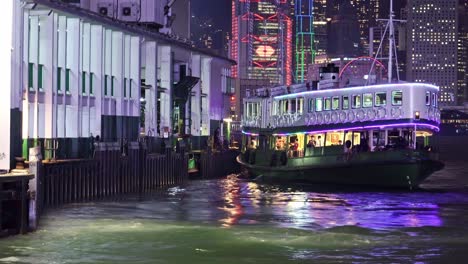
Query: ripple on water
pixel 236 221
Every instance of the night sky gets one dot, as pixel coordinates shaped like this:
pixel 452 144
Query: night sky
pixel 218 10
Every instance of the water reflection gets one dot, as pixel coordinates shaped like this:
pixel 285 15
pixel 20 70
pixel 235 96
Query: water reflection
pixel 299 207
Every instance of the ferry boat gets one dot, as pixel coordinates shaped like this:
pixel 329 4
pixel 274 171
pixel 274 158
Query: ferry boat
pixel 364 135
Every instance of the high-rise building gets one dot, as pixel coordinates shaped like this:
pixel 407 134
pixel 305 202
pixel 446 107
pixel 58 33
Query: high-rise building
pixel 262 37
pixel 320 27
pixel 304 38
pixel 209 27
pixel 462 52
pixel 432 46
pixel 343 32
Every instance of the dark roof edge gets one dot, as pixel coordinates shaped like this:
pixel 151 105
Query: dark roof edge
pixel 67 8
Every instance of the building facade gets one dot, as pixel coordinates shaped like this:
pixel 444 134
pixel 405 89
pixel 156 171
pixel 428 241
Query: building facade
pixel 304 53
pixel 432 46
pixel 78 74
pixel 262 38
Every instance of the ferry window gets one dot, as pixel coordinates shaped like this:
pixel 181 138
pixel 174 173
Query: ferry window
pixel 345 103
pixel 335 103
pixel 254 109
pixel 397 97
pixel 318 104
pixel 300 105
pixel 381 99
pixel 434 101
pixel 356 103
pixel 311 105
pixel 274 108
pixel 428 98
pixel 327 105
pixel 367 100
pixel 293 108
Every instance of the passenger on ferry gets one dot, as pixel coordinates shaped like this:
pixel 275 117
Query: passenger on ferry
pixel 347 150
pixel 310 146
pixel 319 141
pixel 364 145
pixel 294 147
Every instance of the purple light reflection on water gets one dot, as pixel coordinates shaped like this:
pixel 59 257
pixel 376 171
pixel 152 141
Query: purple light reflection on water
pixel 311 210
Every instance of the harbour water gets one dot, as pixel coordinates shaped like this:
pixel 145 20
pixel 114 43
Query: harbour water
pixel 232 220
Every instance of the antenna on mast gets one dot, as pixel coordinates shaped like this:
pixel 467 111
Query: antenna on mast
pixel 392 45
pixel 391 41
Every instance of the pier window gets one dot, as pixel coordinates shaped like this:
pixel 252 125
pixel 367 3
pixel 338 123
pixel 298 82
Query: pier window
pixel 356 103
pixel 434 100
pixel 31 76
pixel 367 100
pixel 67 80
pixel 83 82
pixel 318 104
pixel 335 103
pixel 381 99
pixel 311 105
pixel 59 79
pixel 345 102
pixel 112 85
pixel 125 88
pixel 327 105
pixel 91 90
pixel 40 83
pixel 130 88
pixel 105 84
pixel 397 97
pixel 428 98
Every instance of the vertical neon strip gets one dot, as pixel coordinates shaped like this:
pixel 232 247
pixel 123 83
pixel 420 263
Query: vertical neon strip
pixel 304 37
pixel 288 51
pixel 235 39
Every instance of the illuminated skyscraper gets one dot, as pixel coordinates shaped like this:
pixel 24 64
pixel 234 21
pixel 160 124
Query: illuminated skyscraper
pixel 432 45
pixel 367 12
pixel 262 37
pixel 304 31
pixel 320 27
pixel 462 52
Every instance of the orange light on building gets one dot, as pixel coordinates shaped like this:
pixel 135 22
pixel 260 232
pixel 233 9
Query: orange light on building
pixel 265 51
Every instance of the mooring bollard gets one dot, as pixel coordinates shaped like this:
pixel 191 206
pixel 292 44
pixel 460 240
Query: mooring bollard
pixel 35 187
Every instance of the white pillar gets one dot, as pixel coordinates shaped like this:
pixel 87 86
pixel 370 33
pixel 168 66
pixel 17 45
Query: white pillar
pixel 196 98
pixel 151 66
pixel 6 31
pixel 165 75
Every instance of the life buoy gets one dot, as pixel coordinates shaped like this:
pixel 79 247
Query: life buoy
pixel 361 115
pixel 431 114
pixel 382 113
pixel 313 119
pixel 334 117
pixel 351 116
pixel 395 112
pixel 319 119
pixel 342 117
pixel 326 118
pixel 371 114
pixel 437 118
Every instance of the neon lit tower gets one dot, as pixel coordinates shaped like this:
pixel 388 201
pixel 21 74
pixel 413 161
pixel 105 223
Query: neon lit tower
pixel 304 53
pixel 262 40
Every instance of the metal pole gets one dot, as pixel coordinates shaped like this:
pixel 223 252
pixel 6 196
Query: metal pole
pixel 390 47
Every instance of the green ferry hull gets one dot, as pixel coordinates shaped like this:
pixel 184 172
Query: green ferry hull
pixel 391 173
